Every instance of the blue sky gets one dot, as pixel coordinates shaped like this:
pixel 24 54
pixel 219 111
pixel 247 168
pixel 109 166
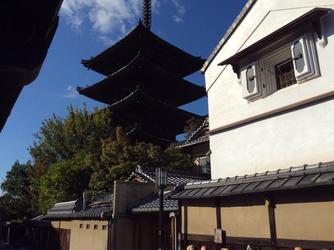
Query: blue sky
pixel 86 28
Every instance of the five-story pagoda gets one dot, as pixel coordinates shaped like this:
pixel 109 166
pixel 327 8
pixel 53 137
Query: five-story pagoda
pixel 144 84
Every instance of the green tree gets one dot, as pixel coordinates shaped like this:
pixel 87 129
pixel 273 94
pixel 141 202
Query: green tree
pixel 83 152
pixel 119 158
pixel 79 132
pixel 64 151
pixel 64 181
pixel 17 188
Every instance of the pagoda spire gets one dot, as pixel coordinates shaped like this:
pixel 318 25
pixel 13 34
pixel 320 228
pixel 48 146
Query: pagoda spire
pixel 147 13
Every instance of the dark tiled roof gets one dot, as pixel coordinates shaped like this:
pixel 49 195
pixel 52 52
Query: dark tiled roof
pixel 197 136
pixel 99 208
pixel 283 179
pixel 90 213
pixel 65 207
pixel 172 178
pixel 204 125
pixel 204 138
pixel 151 204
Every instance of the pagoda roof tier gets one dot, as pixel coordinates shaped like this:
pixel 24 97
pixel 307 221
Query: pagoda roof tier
pixel 150 78
pixel 141 135
pixel 159 117
pixel 160 52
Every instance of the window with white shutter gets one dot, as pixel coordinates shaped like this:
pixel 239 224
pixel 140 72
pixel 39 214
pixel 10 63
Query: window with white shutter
pixel 304 57
pixel 250 82
pixel 295 62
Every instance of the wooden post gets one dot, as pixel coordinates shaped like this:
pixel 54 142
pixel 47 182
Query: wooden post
pixel 218 214
pixel 272 223
pixel 185 224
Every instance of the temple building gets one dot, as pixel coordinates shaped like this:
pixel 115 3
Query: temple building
pixel 145 85
pixel 27 29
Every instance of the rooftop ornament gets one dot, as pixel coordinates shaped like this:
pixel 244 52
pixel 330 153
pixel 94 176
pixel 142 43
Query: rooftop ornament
pixel 147 13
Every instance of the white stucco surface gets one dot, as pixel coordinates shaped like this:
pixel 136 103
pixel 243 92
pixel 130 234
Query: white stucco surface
pixel 290 139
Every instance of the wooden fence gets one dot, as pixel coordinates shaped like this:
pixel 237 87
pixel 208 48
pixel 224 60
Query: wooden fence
pixel 35 236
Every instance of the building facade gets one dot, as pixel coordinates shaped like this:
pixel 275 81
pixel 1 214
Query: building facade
pixel 276 125
pixel 270 92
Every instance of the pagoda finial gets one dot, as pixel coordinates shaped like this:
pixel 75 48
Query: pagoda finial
pixel 147 13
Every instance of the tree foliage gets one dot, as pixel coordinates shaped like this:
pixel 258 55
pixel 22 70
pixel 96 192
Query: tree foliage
pixel 17 187
pixel 63 153
pixel 119 158
pixel 78 153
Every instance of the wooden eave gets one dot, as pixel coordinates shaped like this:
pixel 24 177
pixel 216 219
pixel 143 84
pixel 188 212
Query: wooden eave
pixel 8 97
pixel 149 112
pixel 160 52
pixel 150 78
pixel 289 32
pixel 27 29
pixel 147 135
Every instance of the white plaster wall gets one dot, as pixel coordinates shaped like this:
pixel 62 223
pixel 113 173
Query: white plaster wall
pixel 292 139
pixel 303 136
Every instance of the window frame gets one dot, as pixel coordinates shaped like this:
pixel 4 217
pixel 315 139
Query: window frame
pixel 264 67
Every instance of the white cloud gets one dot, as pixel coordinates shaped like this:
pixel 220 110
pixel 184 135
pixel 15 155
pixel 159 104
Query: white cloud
pixel 71 92
pixel 180 9
pixel 178 19
pixel 111 18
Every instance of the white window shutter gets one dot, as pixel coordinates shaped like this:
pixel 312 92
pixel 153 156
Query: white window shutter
pixel 301 58
pixel 250 82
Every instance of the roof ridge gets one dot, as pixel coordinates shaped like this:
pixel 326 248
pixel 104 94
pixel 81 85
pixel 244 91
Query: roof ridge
pixel 243 13
pixel 279 173
pixel 204 124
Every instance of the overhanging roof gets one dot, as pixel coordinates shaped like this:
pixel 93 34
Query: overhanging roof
pixel 143 134
pixel 100 208
pixel 174 179
pixel 151 204
pixel 229 33
pixel 27 29
pixel 8 97
pixel 290 31
pixel 142 108
pixel 294 178
pixel 150 78
pixel 160 52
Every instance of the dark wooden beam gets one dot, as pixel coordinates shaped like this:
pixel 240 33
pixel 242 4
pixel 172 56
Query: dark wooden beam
pixel 272 223
pixel 185 223
pixel 218 214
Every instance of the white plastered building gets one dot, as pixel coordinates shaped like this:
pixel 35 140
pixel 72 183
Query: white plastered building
pixel 270 85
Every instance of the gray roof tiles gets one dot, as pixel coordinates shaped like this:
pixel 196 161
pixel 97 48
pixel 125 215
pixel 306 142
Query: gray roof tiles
pixel 73 209
pixel 172 178
pixel 291 178
pixel 151 204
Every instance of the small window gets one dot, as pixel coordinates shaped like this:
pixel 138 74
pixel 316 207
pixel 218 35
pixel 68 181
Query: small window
pixel 87 226
pixel 293 63
pixel 104 227
pixel 285 75
pixel 81 226
pixel 95 227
